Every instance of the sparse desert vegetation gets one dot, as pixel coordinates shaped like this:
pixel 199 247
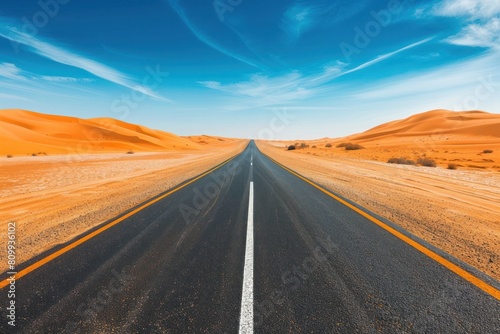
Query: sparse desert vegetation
pixel 328 145
pixel 10 156
pixel 291 148
pixel 130 152
pixel 488 151
pixel 34 154
pixel 452 166
pixel 353 147
pixel 401 161
pixel 350 146
pixel 426 162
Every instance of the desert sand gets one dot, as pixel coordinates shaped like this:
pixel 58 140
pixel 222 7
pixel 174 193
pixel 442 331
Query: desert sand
pixel 60 197
pixel 55 197
pixel 29 133
pixel 455 210
pixel 458 138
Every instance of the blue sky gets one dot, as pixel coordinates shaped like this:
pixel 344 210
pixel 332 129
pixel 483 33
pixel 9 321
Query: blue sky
pixel 283 69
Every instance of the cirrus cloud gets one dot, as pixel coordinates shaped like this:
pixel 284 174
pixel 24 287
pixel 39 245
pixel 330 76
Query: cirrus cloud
pixel 482 22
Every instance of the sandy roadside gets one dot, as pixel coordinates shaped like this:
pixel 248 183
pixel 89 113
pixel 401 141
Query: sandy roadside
pixel 455 210
pixel 55 198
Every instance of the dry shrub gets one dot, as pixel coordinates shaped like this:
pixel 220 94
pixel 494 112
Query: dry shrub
pixel 352 147
pixel 401 161
pixel 426 162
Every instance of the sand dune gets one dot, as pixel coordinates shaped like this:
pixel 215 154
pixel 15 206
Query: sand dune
pixel 459 138
pixel 431 123
pixel 206 140
pixel 25 132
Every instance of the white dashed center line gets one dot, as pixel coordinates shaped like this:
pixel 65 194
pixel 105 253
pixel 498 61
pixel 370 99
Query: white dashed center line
pixel 246 315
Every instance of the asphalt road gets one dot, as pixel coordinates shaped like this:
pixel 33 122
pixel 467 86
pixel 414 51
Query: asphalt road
pixel 247 248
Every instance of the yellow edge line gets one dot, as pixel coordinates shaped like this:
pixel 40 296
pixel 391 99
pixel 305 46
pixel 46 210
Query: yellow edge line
pixel 438 258
pixel 78 242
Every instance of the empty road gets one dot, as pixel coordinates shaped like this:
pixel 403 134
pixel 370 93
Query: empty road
pixel 249 248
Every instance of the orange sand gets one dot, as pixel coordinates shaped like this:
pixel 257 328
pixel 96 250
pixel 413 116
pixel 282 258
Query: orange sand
pixel 60 197
pixel 72 184
pixel 26 133
pixel 447 137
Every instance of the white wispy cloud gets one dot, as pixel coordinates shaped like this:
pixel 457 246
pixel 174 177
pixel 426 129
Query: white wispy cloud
pixel 475 9
pixel 303 16
pixel 11 71
pixel 481 21
pixel 388 55
pixel 300 18
pixel 65 79
pixel 66 57
pixel 37 87
pixel 453 82
pixel 18 80
pixel 206 39
pixel 479 34
pixel 11 97
pixel 267 90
